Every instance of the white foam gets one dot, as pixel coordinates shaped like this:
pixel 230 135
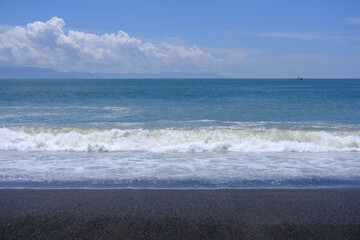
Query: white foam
pixel 217 168
pixel 178 140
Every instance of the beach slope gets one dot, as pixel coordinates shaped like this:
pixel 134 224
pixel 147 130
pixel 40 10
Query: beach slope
pixel 180 214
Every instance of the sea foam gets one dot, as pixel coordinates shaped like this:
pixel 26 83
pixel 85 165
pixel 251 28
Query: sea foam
pixel 212 139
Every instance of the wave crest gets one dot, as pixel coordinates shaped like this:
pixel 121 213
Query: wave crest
pixel 178 140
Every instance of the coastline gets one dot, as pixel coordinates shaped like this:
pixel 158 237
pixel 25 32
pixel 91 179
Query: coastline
pixel 180 214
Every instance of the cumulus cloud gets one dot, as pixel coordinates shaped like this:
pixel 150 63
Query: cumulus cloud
pixel 48 45
pixel 5 27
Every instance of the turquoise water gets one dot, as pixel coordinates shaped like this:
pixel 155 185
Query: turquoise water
pixel 180 133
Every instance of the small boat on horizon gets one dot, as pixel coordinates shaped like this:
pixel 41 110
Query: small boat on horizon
pixel 299 78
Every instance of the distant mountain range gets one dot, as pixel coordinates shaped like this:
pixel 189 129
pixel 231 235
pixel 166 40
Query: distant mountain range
pixel 33 72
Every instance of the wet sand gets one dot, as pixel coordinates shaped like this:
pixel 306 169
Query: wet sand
pixel 180 214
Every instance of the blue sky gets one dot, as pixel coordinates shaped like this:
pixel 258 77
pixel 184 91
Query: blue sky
pixel 230 38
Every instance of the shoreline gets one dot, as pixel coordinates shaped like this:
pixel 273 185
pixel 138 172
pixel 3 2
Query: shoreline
pixel 285 188
pixel 180 213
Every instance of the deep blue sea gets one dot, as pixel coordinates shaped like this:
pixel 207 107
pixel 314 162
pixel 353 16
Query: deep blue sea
pixel 179 133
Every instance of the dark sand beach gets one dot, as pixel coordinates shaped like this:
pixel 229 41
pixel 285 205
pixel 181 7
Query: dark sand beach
pixel 180 214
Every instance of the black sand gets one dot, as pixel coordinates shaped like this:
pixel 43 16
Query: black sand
pixel 179 214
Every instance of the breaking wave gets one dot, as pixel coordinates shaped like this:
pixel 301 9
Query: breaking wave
pixel 178 140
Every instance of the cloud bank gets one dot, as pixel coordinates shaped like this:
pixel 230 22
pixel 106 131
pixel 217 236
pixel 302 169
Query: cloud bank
pixel 48 45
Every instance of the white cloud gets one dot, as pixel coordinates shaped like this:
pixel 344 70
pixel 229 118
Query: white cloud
pixel 301 57
pixel 295 35
pixel 47 45
pixel 5 27
pixel 353 20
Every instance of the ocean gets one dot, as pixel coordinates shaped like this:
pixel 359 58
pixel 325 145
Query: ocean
pixel 179 133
